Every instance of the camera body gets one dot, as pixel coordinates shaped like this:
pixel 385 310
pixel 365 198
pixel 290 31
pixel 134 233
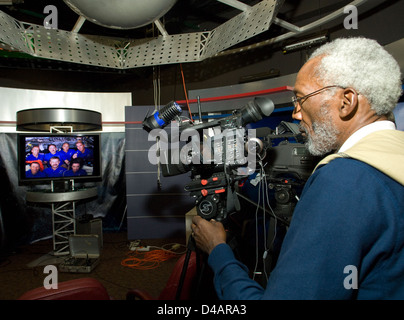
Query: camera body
pixel 222 154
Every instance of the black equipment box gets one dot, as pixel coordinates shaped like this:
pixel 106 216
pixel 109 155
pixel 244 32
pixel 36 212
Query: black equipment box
pixel 84 254
pixel 90 226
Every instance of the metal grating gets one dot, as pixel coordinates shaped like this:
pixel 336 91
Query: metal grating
pixel 123 54
pixel 10 33
pixel 72 47
pixel 166 50
pixel 246 25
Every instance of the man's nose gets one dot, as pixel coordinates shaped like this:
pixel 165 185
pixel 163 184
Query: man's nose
pixel 296 115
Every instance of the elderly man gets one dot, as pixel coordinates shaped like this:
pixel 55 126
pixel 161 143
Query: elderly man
pixel 346 238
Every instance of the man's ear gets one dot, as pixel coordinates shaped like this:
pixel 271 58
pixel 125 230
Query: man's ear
pixel 349 103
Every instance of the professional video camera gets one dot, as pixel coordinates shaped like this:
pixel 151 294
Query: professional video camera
pixel 221 154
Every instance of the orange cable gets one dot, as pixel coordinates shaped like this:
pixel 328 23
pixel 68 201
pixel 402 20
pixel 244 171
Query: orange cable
pixel 147 260
pixel 185 92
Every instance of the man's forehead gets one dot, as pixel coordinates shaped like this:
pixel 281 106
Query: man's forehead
pixel 306 77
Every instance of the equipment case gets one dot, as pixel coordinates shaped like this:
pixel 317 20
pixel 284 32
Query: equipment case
pixel 84 254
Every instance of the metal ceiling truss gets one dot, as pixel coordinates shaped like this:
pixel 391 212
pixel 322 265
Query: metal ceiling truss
pixel 70 46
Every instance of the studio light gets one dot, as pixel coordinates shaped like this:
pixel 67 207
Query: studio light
pixel 305 44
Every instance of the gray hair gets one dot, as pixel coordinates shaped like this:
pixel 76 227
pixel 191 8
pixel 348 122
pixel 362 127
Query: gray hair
pixel 364 65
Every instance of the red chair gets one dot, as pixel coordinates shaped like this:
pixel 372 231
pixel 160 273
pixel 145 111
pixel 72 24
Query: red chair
pixel 92 289
pixel 170 290
pixel 77 289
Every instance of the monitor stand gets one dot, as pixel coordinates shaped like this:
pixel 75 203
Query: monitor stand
pixel 63 199
pixel 62 186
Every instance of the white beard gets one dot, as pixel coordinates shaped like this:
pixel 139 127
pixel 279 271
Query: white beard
pixel 324 137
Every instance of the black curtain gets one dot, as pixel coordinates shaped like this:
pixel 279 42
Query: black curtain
pixel 23 222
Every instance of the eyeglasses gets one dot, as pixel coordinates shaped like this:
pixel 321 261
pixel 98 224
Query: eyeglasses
pixel 298 101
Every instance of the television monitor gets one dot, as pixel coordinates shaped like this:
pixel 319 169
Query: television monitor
pixel 50 157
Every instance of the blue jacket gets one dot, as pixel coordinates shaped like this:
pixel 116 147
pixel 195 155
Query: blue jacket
pixel 349 222
pixel 54 173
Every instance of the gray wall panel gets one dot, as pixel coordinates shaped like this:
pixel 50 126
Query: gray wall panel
pixel 137 113
pixel 159 205
pixel 137 139
pixel 151 212
pixel 138 161
pixel 141 183
pixel 156 228
pixel 146 183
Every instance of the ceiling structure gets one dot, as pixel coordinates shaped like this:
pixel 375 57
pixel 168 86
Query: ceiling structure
pixel 190 31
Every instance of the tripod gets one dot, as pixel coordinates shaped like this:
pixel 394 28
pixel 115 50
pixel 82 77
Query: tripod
pixel 200 268
pixel 203 288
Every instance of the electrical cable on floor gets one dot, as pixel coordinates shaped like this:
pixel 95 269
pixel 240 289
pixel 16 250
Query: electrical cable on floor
pixel 146 260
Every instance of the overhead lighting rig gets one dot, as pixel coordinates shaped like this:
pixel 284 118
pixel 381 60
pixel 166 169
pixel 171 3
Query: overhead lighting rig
pixel 10 2
pixel 305 44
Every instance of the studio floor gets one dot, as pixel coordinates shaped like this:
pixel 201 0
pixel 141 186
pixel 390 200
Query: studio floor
pixel 23 269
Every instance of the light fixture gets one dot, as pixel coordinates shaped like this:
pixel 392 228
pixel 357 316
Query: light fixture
pixel 305 44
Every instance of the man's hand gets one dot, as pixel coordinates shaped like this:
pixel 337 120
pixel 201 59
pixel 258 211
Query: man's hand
pixel 207 234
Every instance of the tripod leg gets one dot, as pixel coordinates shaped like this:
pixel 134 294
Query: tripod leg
pixel 183 273
pixel 191 247
pixel 200 273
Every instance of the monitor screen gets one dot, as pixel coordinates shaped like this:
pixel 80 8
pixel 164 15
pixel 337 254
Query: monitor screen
pixel 48 157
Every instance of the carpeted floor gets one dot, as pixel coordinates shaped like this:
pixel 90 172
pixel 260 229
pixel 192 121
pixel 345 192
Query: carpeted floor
pixel 24 270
